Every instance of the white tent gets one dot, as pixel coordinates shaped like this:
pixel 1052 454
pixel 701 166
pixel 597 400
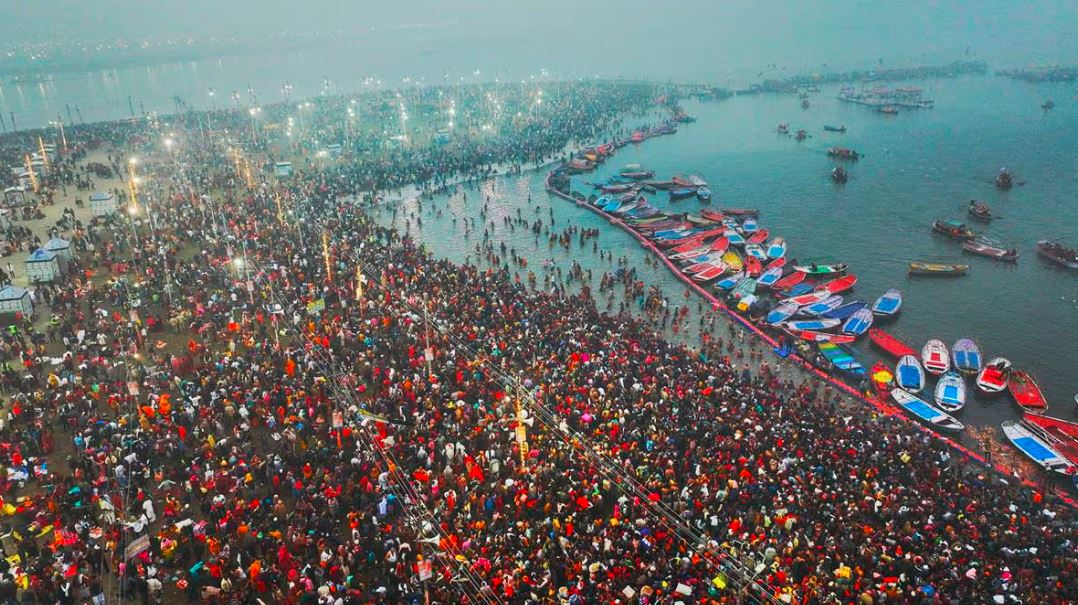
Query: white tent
pixel 103 204
pixel 14 299
pixel 42 266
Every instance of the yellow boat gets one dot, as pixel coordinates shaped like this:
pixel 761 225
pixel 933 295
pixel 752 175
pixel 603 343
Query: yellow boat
pixel 920 268
pixel 733 260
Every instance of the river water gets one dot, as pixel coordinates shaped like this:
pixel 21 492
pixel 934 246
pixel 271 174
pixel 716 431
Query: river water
pixel 919 166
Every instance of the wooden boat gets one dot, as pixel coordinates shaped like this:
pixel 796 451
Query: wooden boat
pixel 712 215
pixel 1036 447
pixel 741 211
pixel 780 313
pixel 858 323
pixel 777 248
pixel 1062 434
pixel 618 188
pixel 811 324
pixel 800 135
pixel 966 356
pixel 807 299
pixel 846 310
pixel 1057 253
pixel 953 229
pixel 981 248
pixel 815 269
pixel 839 129
pixel 980 211
pixel 682 192
pixel 820 307
pixel 703 194
pixel 720 244
pixel 951 392
pixel 889 343
pixel 758 237
pixel 909 374
pixel 707 261
pixel 937 269
pixel 839 285
pixel 789 280
pixel 636 172
pixel 753 265
pixel 730 281
pixel 924 411
pixel 839 174
pixel 890 303
pixel 1026 393
pixel 749 225
pixel 779 262
pixel 1004 180
pixel 934 357
pixel 770 276
pixel 843 153
pixel 716 269
pixel 841 358
pixel 733 260
pixel 814 336
pixel 993 376
pixel 800 289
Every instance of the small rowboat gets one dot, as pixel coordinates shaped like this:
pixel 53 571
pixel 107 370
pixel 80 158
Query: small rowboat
pixel 720 244
pixel 808 299
pixel 777 263
pixel 819 336
pixel 780 314
pixel 790 280
pixel 708 261
pixel 711 273
pixel 811 324
pixel 735 238
pixel 815 269
pixel 993 377
pixel 758 237
pixel 1036 447
pixel 939 269
pixel 637 175
pixel 732 260
pixel 741 211
pixel 966 356
pixel 951 392
pixel 1063 434
pixel 756 251
pixel 730 280
pixel 993 252
pixel 770 276
pixel 858 323
pixel 889 304
pixel 777 248
pixel 749 225
pixel 883 380
pixel 682 192
pixel 953 229
pixel 890 344
pixel 1026 393
pixel 909 375
pixel 753 265
pixel 925 411
pixel 934 357
pixel 703 194
pixel 818 308
pixel 980 210
pixel 798 290
pixel 841 358
pixel 694 251
pixel 712 215
pixel 838 285
pixel 846 310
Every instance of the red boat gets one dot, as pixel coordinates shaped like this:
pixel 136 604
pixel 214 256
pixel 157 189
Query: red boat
pixel 713 215
pixel 882 378
pixel 891 345
pixel 758 237
pixel 720 245
pixel 839 285
pixel 1063 434
pixel 1026 393
pixel 741 211
pixel 821 336
pixel 777 263
pixel 789 281
pixel 753 266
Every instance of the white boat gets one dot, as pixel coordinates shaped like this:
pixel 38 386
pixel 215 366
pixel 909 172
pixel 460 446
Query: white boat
pixel 925 411
pixel 780 313
pixel 909 375
pixel 994 375
pixel 951 392
pixel 1033 444
pixel 934 357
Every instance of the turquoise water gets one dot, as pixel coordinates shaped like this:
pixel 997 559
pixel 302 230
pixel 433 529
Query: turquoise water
pixel 919 166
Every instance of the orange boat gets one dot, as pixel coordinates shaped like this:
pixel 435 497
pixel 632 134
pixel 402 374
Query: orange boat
pixel 1062 434
pixel 1026 393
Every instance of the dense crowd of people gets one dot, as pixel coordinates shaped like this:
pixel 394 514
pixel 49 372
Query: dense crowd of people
pixel 253 394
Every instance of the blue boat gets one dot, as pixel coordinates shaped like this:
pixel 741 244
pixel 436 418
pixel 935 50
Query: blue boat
pixel 858 323
pixel 966 356
pixel 909 374
pixel 846 310
pixel 749 225
pixel 1032 443
pixel 730 280
pixel 770 276
pixel 797 290
pixel 828 304
pixel 682 193
pixel 888 304
pixel 780 313
pixel 811 324
pixel 925 411
pixel 703 194
pixel 951 391
pixel 612 205
pixel 735 238
pixel 603 200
